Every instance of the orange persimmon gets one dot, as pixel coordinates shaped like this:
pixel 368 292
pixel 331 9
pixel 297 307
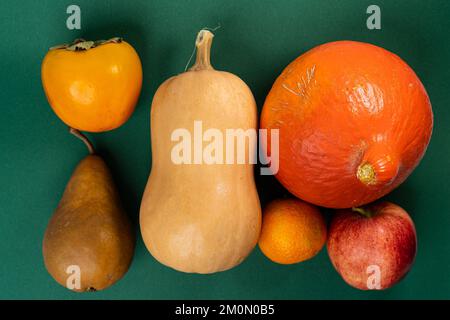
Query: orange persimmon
pixel 354 121
pixel 93 86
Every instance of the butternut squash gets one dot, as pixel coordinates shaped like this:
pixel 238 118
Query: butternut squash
pixel 200 218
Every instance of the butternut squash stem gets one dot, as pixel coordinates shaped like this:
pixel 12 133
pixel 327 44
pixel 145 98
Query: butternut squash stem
pixel 203 45
pixel 365 212
pixel 83 138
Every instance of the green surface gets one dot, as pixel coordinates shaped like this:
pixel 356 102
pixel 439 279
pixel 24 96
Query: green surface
pixel 256 40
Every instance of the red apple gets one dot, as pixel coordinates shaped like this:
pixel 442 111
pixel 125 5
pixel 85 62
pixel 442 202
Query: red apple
pixel 372 248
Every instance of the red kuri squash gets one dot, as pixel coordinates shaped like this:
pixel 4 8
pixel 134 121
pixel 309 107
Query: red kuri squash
pixel 354 121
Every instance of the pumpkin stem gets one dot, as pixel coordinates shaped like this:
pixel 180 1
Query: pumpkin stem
pixel 203 45
pixel 83 138
pixel 366 174
pixel 379 166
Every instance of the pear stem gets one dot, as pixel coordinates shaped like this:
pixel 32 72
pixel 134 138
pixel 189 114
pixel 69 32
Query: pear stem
pixel 83 138
pixel 203 45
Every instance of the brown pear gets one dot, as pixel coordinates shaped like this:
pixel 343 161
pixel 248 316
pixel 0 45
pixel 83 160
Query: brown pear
pixel 89 241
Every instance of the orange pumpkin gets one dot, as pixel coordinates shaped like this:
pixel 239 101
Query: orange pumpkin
pixel 93 86
pixel 354 121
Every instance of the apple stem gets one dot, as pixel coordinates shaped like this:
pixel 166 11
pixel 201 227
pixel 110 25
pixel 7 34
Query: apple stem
pixel 365 212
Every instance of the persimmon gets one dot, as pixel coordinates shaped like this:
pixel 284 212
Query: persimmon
pixel 92 86
pixel 354 121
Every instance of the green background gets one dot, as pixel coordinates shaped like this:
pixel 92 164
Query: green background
pixel 257 39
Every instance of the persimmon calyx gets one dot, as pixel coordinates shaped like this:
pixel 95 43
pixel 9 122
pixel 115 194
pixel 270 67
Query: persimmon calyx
pixel 83 45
